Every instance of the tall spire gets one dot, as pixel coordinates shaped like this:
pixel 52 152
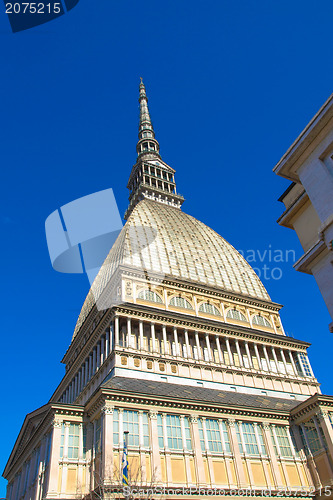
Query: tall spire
pixel 151 177
pixel 147 144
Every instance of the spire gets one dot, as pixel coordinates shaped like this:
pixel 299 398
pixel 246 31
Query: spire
pixel 147 144
pixel 151 177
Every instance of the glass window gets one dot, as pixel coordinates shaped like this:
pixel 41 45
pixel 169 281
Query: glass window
pixel 235 314
pixel 305 363
pixel 174 433
pixel 261 321
pixel 150 295
pixel 312 436
pixel 73 440
pixel 213 435
pixel 145 429
pixel 160 431
pixel 201 435
pixel 281 433
pixel 62 441
pixel 187 433
pixel 131 424
pixel 250 439
pixel 261 440
pixel 180 302
pixel 209 309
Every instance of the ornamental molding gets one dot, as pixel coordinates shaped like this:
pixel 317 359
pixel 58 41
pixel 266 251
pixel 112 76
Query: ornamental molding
pixel 163 405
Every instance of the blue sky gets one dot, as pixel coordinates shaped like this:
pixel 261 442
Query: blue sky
pixel 230 86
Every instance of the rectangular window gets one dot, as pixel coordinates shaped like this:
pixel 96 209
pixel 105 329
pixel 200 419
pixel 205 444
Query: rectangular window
pixel 174 433
pixel 213 435
pixel 250 440
pixel 131 424
pixel 62 441
pixel 145 429
pixel 261 440
pixel 73 440
pixel 187 433
pixel 201 435
pixel 312 435
pixel 281 433
pixel 226 437
pixel 26 477
pixel 160 431
pixel 305 363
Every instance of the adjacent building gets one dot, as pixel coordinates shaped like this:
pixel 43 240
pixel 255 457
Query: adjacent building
pixel 308 201
pixel 178 343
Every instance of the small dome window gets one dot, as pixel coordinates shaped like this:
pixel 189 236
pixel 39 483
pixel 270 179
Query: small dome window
pixel 180 302
pixel 150 295
pixel 261 321
pixel 209 309
pixel 235 314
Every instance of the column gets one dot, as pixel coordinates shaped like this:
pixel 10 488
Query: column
pixel 129 333
pixel 86 372
pixel 199 463
pixel 187 342
pixel 219 349
pixel 142 449
pixel 155 451
pixel 275 360
pixel 98 356
pixel 107 442
pixel 231 358
pixel 175 336
pixel 208 347
pixel 327 429
pixel 141 334
pixel 271 453
pixel 186 451
pixel 240 475
pixel 80 467
pixel 240 357
pixel 102 349
pixel 293 363
pixel 107 344
pixel 267 358
pixel 116 331
pixel 198 345
pixel 65 457
pixel 256 350
pixel 284 360
pixel 153 336
pixel 165 342
pixel 94 361
pixel 248 354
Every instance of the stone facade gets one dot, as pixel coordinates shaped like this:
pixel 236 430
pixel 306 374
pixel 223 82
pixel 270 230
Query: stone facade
pixel 309 199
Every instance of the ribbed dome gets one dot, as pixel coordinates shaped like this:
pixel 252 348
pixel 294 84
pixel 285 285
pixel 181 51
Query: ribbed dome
pixel 162 239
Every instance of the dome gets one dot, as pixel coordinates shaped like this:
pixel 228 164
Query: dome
pixel 163 240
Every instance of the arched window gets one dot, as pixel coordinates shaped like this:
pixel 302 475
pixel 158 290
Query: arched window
pixel 235 314
pixel 261 321
pixel 180 302
pixel 209 309
pixel 150 295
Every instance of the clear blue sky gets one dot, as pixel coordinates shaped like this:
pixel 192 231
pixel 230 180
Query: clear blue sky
pixel 230 86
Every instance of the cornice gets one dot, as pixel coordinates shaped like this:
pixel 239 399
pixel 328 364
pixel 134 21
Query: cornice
pixel 167 403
